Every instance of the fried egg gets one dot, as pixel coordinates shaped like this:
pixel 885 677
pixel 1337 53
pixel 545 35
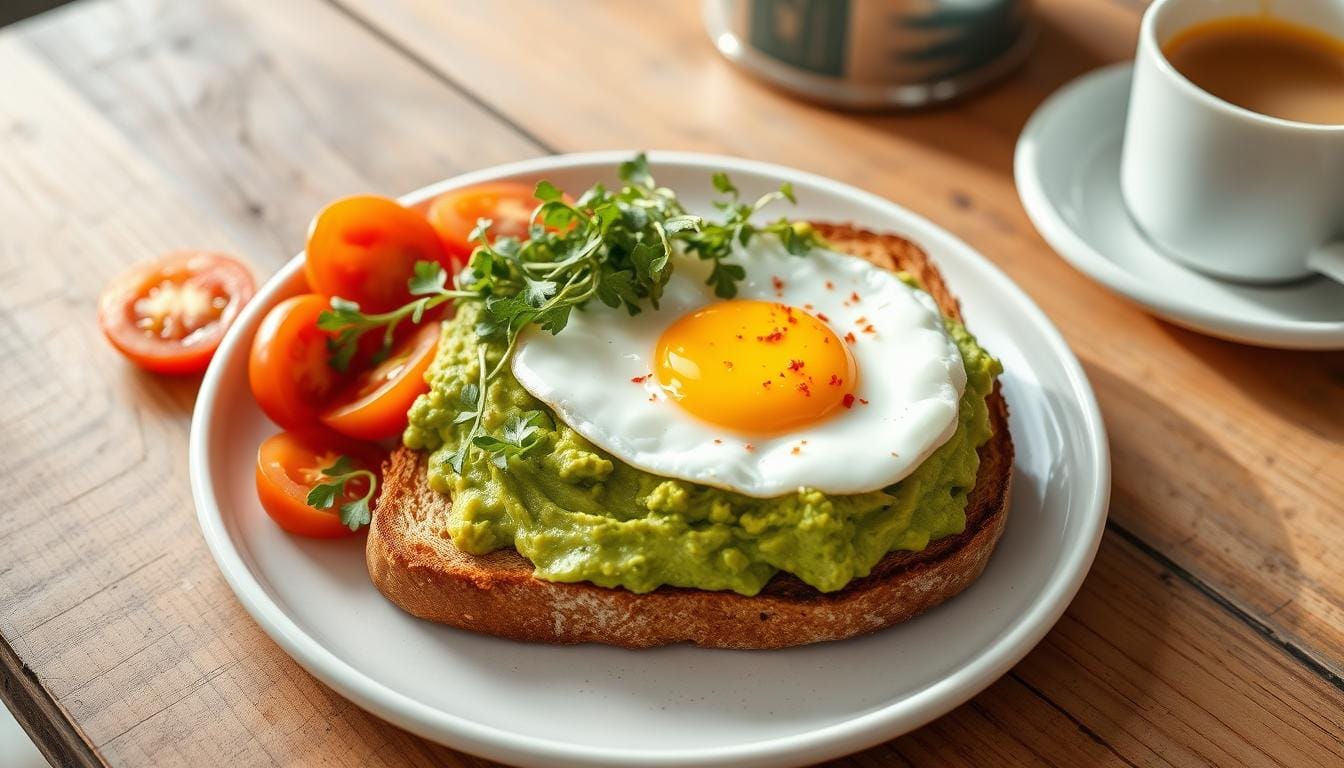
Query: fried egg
pixel 824 372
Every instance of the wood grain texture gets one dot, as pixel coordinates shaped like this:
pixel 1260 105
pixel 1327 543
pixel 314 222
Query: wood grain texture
pixel 131 127
pixel 1222 451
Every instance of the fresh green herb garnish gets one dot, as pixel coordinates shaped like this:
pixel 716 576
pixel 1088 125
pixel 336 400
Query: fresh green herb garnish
pixel 615 247
pixel 518 438
pixel 354 514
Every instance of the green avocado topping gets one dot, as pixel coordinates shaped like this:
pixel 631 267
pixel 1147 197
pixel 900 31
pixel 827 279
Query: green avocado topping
pixel 581 515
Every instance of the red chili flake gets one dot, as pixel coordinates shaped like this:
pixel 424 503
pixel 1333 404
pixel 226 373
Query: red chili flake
pixel 739 336
pixel 796 365
pixel 779 284
pixel 802 387
pixel 775 335
pixel 728 364
pixel 861 400
pixel 861 320
pixel 829 285
pixel 869 328
pixel 808 307
pixel 792 320
pixel 796 450
pixel 850 337
pixel 854 297
pixel 848 401
pixel 639 379
pixel 717 441
pixel 835 381
pixel 766 383
pixel 749 447
pixel 823 318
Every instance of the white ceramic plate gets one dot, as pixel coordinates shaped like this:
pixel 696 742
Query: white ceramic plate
pixel 592 705
pixel 1067 167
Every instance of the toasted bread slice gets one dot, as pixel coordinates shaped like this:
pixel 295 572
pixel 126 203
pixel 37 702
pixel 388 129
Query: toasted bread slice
pixel 417 567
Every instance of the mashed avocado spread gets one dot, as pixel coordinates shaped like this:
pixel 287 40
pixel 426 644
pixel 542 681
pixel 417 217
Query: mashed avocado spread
pixel 581 515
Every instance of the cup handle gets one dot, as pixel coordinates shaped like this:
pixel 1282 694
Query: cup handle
pixel 1328 260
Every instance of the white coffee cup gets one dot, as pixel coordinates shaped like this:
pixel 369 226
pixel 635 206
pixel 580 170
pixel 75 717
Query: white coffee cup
pixel 1225 190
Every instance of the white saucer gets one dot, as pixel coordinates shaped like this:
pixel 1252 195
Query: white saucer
pixel 1067 170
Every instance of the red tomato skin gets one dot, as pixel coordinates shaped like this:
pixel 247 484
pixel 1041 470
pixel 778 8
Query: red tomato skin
pixel 453 214
pixel 115 308
pixel 287 367
pixel 285 500
pixel 364 249
pixel 380 413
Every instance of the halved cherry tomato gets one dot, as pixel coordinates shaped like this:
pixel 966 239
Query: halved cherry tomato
pixel 169 315
pixel 290 464
pixel 288 369
pixel 508 205
pixel 374 405
pixel 365 248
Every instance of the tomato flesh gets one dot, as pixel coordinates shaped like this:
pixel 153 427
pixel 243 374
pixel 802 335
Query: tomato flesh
pixel 290 464
pixel 374 405
pixel 364 249
pixel 508 205
pixel 169 315
pixel 288 367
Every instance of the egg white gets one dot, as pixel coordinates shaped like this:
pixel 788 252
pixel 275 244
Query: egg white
pixel 910 374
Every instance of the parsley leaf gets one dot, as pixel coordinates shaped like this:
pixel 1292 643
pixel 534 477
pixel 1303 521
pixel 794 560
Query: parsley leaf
pixel 723 184
pixel 356 513
pixel 536 292
pixel 517 438
pixel 429 278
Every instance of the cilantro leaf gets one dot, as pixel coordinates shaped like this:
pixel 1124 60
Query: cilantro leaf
pixel 636 171
pixel 618 287
pixel 724 278
pixel 356 514
pixel 536 292
pixel 323 496
pixel 342 466
pixel 479 232
pixel 429 278
pixel 723 184
pixel 546 192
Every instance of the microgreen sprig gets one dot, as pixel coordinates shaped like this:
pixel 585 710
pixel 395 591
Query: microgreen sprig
pixel 354 514
pixel 348 323
pixel 613 246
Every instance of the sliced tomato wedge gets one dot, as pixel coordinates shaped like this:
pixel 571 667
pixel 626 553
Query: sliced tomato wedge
pixel 508 205
pixel 364 249
pixel 168 315
pixel 374 405
pixel 289 466
pixel 287 368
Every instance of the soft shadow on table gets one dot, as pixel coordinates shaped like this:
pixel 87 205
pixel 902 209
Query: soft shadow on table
pixel 1136 422
pixel 168 395
pixel 1304 387
pixel 1132 598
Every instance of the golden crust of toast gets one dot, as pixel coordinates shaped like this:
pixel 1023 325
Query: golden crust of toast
pixel 415 565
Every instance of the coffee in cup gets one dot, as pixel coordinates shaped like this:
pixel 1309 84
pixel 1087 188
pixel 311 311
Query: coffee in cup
pixel 1233 158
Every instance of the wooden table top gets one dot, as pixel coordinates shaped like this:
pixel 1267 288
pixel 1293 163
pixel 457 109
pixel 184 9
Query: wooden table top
pixel 1210 631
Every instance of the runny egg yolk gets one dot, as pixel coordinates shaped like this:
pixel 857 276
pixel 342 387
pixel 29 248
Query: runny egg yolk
pixel 754 366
